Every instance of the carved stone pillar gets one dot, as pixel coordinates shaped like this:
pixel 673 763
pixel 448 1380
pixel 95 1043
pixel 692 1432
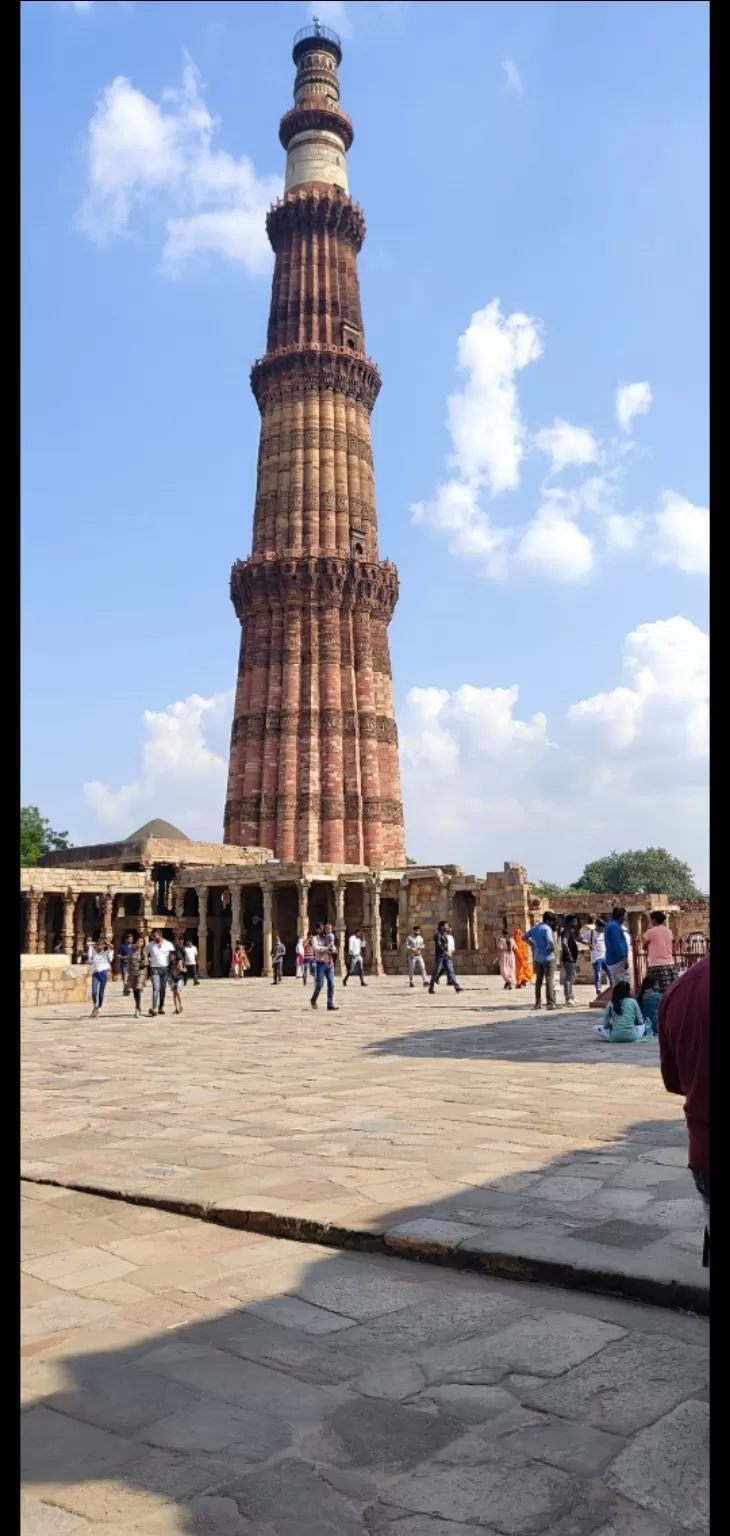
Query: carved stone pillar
pixel 267 931
pixel 303 913
pixel 31 929
pixel 178 900
pixel 42 910
pixel 375 908
pixel 474 926
pixel 69 907
pixel 235 915
pixel 340 927
pixel 445 898
pixel 107 919
pixel 403 905
pixel 79 928
pixel 202 930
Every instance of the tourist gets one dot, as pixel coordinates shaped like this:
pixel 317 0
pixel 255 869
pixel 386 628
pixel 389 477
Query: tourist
pixel 617 947
pixel 277 959
pixel 124 951
pixel 541 938
pixel 622 1020
pixel 568 960
pixel 597 944
pixel 443 963
pixel 659 946
pixel 236 962
pixel 649 999
pixel 414 956
pixel 684 1053
pixel 176 976
pixel 299 958
pixel 309 964
pixel 137 974
pixel 507 967
pixel 323 945
pixel 191 962
pixel 158 953
pixel 523 969
pixel 101 964
pixel 355 958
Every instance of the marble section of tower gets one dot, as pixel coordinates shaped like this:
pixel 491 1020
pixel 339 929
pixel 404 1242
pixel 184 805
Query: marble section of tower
pixel 314 768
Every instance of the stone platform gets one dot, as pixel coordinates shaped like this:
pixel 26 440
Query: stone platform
pixel 288 1391
pixel 468 1129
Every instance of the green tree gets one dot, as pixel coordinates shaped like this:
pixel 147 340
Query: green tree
pixel 639 872
pixel 37 836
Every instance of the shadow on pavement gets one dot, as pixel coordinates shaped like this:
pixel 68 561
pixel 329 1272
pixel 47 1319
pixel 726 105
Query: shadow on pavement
pixel 288 1392
pixel 566 1035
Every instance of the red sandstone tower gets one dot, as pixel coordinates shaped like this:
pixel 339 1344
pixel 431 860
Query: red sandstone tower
pixel 314 747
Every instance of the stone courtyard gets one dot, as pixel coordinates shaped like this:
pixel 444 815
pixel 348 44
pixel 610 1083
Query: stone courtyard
pixel 193 1369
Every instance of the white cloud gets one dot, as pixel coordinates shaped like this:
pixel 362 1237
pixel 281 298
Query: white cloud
pixel 514 78
pixel 555 547
pixel 624 530
pixel 182 775
pixel 82 6
pixel 629 768
pixel 334 14
pixel 632 400
pixel 484 418
pixel 160 158
pixel 682 535
pixel 564 444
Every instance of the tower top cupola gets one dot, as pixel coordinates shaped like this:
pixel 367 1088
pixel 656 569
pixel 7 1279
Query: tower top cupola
pixel 315 132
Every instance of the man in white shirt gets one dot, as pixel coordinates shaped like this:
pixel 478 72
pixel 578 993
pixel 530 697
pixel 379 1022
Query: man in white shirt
pixel 414 955
pixel 191 963
pixel 158 953
pixel 355 958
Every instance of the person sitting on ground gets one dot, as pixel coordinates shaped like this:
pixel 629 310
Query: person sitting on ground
pixel 277 959
pixel 649 999
pixel 622 1021
pixel 659 946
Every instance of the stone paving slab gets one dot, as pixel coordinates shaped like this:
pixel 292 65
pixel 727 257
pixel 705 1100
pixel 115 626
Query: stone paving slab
pixel 445 1404
pixel 470 1129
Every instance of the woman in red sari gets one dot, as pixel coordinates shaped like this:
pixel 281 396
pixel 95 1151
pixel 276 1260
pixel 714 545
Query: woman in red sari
pixel 522 959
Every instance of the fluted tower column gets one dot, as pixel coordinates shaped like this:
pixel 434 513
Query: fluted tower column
pixel 314 746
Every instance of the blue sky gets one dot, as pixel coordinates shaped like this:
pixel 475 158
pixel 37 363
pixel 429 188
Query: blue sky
pixel 534 178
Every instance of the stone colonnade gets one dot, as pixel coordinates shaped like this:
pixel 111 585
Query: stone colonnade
pixel 55 907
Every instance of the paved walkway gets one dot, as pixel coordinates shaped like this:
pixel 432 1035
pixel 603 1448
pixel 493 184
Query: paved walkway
pixel 283 1390
pixel 467 1123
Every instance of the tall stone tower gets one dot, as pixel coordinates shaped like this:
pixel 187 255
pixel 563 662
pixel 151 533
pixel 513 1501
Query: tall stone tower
pixel 314 748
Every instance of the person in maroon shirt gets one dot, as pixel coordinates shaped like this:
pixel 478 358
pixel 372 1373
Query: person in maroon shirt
pixel 684 1050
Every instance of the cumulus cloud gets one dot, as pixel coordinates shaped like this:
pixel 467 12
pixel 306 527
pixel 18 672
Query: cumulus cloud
pixel 160 159
pixel 682 535
pixel 555 547
pixel 182 775
pixel 564 445
pixel 624 530
pixel 514 78
pixel 626 766
pixel 632 400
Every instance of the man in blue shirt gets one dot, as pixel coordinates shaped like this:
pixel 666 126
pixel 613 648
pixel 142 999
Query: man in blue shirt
pixel 617 949
pixel 541 938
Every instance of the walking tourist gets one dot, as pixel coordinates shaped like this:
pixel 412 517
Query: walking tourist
pixel 622 1018
pixel 355 959
pixel 568 960
pixel 277 959
pixel 684 1053
pixel 323 945
pixel 523 969
pixel 309 967
pixel 299 959
pixel 507 966
pixel 158 958
pixel 191 963
pixel 443 963
pixel 137 974
pixel 541 937
pixel 236 962
pixel 659 946
pixel 617 947
pixel 597 944
pixel 176 976
pixel 124 951
pixel 414 956
pixel 101 964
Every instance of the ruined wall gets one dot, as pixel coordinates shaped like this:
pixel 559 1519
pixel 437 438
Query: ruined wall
pixel 48 979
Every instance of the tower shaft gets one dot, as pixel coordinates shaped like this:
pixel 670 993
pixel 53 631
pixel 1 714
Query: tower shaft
pixel 314 750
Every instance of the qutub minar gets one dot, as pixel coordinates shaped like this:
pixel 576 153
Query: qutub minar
pixel 314 769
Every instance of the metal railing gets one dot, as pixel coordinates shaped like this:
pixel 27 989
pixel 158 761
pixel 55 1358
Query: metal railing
pixel 316 31
pixel 687 952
